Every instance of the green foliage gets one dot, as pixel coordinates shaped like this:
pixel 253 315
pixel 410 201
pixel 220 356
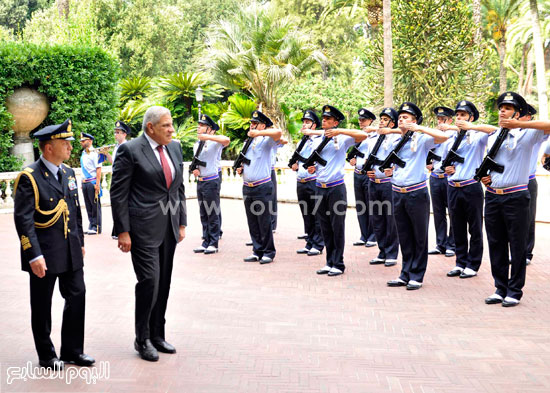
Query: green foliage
pixel 177 91
pixel 435 59
pixel 258 52
pixel 80 83
pixel 134 89
pixel 313 93
pixel 186 133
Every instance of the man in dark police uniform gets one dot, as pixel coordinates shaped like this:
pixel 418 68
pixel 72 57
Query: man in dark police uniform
pixel 49 225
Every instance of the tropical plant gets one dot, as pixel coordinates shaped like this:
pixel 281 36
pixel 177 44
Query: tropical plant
pixel 134 89
pixel 178 91
pixel 259 53
pixel 498 16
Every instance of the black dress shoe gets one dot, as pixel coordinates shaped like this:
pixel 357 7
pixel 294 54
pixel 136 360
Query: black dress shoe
pixel 251 258
pixel 435 251
pixel 53 363
pixel 81 360
pixel 454 273
pixel 249 243
pixel 396 283
pixel 162 346
pixel 493 299
pixel 302 237
pixel 146 350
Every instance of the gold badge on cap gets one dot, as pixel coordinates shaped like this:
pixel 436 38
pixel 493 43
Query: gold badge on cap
pixel 509 97
pixel 326 109
pixel 117 124
pixel 440 110
pixel 255 114
pixel 405 107
pixel 70 126
pixel 387 110
pixel 362 112
pixel 463 103
pixel 203 117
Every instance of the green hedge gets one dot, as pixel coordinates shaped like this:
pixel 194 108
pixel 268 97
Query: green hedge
pixel 80 83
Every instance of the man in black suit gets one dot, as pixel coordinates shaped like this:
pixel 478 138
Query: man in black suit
pixel 148 205
pixel 49 224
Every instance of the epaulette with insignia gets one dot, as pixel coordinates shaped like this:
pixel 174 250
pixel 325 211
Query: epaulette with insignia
pixel 28 169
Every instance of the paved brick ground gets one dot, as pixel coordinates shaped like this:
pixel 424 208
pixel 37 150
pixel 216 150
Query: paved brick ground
pixel 241 327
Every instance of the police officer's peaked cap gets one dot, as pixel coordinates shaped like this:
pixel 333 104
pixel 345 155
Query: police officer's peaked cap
pixel 120 125
pixel 56 131
pixel 206 120
pixel 329 110
pixel 443 111
pixel 259 117
pixel 392 114
pixel 468 107
pixel 411 108
pixel 366 114
pixel 311 115
pixel 514 99
pixel 84 136
pixel 531 110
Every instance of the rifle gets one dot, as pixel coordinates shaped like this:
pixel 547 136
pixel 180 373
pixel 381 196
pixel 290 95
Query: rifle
pixel 316 155
pixel 432 157
pixel 354 152
pixel 393 158
pixel 452 155
pixel 546 164
pixel 196 162
pixel 297 156
pixel 241 159
pixel 372 160
pixel 489 163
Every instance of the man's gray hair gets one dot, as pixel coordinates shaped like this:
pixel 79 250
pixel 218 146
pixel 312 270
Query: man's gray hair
pixel 153 115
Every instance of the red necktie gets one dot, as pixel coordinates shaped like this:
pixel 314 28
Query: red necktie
pixel 165 166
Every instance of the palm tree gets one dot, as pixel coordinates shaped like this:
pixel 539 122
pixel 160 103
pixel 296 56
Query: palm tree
pixel 134 89
pixel 178 91
pixel 258 53
pixel 498 15
pixel 377 12
pixel 539 61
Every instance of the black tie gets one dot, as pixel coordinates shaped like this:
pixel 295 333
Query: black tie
pixel 59 176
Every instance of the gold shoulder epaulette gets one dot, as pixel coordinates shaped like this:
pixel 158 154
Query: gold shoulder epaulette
pixel 67 166
pixel 29 169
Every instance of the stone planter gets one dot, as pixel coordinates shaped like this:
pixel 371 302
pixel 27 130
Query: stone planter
pixel 29 108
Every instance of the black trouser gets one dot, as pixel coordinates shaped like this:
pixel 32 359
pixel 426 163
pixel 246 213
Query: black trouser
pixel 361 188
pixel 506 224
pixel 412 217
pixel 312 223
pixel 208 195
pixel 258 203
pixel 153 268
pixel 93 208
pixel 438 194
pixel 533 191
pixel 383 221
pixel 220 172
pixel 332 204
pixel 274 200
pixel 73 290
pixel 466 212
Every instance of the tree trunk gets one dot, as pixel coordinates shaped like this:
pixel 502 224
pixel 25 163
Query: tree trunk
pixel 63 8
pixel 528 85
pixel 522 68
pixel 539 62
pixel 501 55
pixel 476 10
pixel 388 55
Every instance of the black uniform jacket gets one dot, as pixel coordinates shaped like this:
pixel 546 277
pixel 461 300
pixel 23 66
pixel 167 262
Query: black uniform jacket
pixel 59 239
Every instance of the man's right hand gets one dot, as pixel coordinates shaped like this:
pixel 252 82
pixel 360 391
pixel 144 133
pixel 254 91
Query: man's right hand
pixel 196 173
pixel 353 161
pixel 39 267
pixel 124 242
pixel 450 170
pixel 240 170
pixel 295 166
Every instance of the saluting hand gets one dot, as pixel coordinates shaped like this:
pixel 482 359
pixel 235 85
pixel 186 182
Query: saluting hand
pixel 253 134
pixel 508 123
pixel 124 242
pixel 464 125
pixel 39 267
pixel 332 132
